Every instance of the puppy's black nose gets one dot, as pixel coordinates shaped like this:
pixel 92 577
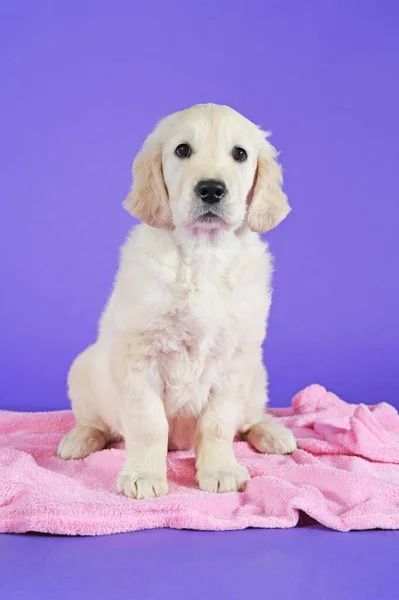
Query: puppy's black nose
pixel 210 190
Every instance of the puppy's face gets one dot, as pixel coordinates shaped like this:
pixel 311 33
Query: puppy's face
pixel 209 161
pixel 207 168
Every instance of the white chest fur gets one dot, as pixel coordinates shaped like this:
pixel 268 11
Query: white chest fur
pixel 198 337
pixel 189 307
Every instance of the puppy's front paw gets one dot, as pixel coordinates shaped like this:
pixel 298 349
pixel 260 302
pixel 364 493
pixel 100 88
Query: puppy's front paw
pixel 229 478
pixel 270 437
pixel 141 485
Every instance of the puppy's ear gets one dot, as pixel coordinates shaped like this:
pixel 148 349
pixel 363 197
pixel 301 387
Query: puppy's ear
pixel 268 205
pixel 148 197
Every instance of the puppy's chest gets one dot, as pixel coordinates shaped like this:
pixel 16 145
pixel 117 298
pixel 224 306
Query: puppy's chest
pixel 198 313
pixel 199 333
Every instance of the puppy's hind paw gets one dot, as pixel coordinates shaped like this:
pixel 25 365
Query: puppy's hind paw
pixel 80 442
pixel 270 437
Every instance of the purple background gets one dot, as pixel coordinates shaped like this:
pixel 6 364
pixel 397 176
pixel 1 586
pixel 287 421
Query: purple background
pixel 297 564
pixel 83 82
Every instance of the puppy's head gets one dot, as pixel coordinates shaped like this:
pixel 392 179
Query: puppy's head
pixel 207 168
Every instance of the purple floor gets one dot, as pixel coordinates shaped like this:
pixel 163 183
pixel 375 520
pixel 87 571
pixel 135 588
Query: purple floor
pixel 306 562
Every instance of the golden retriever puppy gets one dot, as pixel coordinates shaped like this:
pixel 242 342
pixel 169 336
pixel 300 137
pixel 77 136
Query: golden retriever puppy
pixel 178 360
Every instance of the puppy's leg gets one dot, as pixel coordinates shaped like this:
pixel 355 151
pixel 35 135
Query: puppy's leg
pixel 262 431
pixel 145 429
pixel 89 435
pixel 81 441
pixel 271 437
pixel 217 468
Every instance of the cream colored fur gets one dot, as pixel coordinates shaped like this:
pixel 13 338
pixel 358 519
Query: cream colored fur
pixel 178 358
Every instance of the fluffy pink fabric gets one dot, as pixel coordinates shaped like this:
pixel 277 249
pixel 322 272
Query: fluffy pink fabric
pixel 345 475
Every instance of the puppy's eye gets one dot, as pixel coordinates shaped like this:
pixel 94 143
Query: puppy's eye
pixel 239 154
pixel 183 151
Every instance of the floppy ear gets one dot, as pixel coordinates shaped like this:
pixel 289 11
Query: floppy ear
pixel 148 197
pixel 268 205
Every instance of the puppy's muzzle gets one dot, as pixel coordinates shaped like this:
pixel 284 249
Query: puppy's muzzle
pixel 210 191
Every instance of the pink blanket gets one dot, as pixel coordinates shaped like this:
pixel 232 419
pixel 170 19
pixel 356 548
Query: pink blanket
pixel 345 475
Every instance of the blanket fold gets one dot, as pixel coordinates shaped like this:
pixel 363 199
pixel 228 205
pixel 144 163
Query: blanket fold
pixel 345 474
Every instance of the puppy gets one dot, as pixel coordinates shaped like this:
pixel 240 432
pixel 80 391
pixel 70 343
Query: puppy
pixel 178 360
